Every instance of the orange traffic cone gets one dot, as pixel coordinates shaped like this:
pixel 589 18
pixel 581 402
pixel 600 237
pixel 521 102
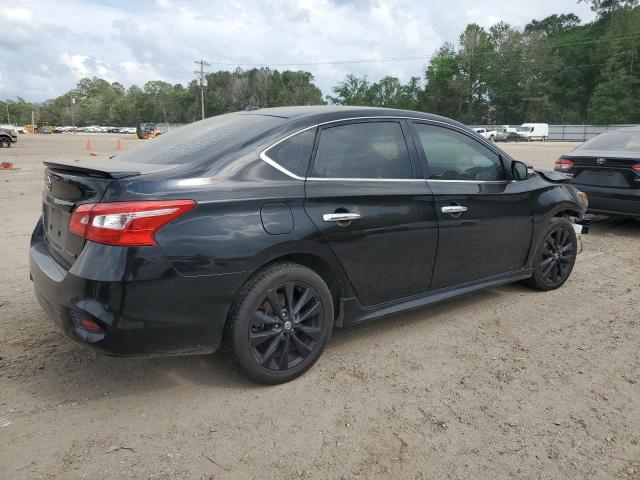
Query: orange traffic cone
pixel 87 145
pixel 119 145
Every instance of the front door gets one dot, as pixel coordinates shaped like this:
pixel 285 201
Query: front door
pixel 365 195
pixel 485 220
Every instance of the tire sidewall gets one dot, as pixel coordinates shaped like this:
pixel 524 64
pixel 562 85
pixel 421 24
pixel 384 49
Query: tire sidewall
pixel 237 335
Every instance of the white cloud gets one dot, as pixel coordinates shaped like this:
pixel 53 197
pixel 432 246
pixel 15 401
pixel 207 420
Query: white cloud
pixel 46 46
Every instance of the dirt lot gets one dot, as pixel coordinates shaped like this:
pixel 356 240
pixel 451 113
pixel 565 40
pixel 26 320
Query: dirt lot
pixel 507 383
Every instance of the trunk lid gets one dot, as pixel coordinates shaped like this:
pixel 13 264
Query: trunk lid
pixel 604 169
pixel 72 183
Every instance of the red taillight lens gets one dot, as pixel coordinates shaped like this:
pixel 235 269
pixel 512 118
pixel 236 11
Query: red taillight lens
pixel 90 325
pixel 126 223
pixel 563 164
pixel 636 167
pixel 80 219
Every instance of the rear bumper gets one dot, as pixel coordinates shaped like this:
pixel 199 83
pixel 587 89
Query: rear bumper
pixel 142 305
pixel 612 201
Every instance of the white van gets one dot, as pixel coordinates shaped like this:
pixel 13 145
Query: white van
pixel 534 131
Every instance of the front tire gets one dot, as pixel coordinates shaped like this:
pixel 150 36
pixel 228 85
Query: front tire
pixel 555 255
pixel 5 142
pixel 280 323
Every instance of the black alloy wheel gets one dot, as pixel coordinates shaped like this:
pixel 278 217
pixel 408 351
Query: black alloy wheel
pixel 280 323
pixel 5 142
pixel 286 326
pixel 555 255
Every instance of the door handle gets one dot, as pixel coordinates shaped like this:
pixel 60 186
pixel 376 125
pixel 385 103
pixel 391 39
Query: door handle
pixel 340 217
pixel 454 209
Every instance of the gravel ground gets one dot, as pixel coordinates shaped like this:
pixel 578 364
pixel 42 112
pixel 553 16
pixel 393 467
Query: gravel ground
pixel 506 383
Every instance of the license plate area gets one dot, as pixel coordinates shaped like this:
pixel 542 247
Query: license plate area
pixel 612 178
pixel 56 222
pixel 63 245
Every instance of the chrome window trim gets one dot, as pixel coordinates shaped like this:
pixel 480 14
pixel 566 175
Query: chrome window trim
pixel 500 182
pixel 341 179
pixel 277 166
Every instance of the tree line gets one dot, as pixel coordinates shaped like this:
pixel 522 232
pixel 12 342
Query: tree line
pixel 553 70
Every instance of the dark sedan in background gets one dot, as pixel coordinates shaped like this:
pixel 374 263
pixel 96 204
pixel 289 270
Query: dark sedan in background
pixel 607 169
pixel 260 231
pixel 506 136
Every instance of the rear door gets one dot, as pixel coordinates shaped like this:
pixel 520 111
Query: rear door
pixel 365 195
pixel 485 220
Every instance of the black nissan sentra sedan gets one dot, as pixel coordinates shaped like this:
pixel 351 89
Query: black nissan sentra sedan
pixel 261 231
pixel 607 169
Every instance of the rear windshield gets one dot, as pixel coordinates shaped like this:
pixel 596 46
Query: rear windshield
pixel 621 141
pixel 201 140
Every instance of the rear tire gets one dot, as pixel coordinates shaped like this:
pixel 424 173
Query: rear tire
pixel 5 142
pixel 280 323
pixel 555 255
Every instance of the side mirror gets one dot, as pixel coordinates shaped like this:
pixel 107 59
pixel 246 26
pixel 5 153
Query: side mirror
pixel 519 170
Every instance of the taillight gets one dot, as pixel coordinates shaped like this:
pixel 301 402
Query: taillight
pixel 636 167
pixel 562 164
pixel 126 223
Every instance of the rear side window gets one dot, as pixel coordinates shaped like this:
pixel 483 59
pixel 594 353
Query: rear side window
pixel 200 141
pixel 294 153
pixel 363 150
pixel 452 155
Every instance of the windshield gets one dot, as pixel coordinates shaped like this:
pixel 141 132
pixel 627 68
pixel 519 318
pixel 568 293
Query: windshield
pixel 201 140
pixel 621 141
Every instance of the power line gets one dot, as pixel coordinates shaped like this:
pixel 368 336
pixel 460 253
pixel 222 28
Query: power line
pixel 412 57
pixel 203 80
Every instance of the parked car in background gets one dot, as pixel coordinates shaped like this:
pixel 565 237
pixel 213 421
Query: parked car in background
pixel 534 131
pixel 488 134
pixel 607 169
pixel 8 136
pixel 508 136
pixel 260 231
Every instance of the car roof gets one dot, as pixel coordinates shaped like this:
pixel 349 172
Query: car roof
pixel 632 128
pixel 326 113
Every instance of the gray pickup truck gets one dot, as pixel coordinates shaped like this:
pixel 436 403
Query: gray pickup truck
pixel 7 137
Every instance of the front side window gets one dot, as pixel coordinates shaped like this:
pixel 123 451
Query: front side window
pixel 452 155
pixel 363 150
pixel 294 153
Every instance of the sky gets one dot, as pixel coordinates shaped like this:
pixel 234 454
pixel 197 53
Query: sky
pixel 46 46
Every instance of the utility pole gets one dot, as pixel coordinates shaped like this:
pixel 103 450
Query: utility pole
pixel 203 81
pixel 73 114
pixel 8 119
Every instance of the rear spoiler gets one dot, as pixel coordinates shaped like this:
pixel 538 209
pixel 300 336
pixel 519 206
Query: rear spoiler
pixel 107 167
pixel 555 177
